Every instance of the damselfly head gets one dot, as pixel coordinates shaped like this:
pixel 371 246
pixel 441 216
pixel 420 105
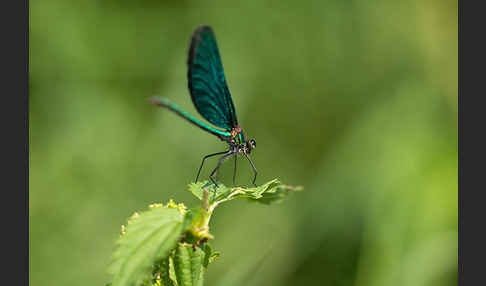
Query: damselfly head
pixel 250 145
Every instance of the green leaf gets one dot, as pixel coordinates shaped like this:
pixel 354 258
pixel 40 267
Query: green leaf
pixel 148 237
pixel 188 265
pixel 172 274
pixel 275 194
pixel 270 192
pixel 209 255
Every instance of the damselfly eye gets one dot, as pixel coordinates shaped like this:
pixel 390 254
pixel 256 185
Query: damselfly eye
pixel 251 144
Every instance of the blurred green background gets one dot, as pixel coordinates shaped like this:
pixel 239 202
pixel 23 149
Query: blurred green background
pixel 354 100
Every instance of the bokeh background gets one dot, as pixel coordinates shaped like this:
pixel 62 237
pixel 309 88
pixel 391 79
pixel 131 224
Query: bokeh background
pixel 354 100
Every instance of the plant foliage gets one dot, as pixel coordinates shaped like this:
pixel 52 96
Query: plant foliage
pixel 168 244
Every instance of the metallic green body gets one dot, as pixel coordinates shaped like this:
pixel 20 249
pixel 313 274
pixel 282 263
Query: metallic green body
pixel 166 103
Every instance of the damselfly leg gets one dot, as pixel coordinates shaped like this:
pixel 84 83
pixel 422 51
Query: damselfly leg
pixel 221 160
pixel 205 157
pixel 253 167
pixel 234 171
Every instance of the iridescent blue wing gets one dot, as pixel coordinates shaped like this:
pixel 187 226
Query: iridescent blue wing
pixel 206 80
